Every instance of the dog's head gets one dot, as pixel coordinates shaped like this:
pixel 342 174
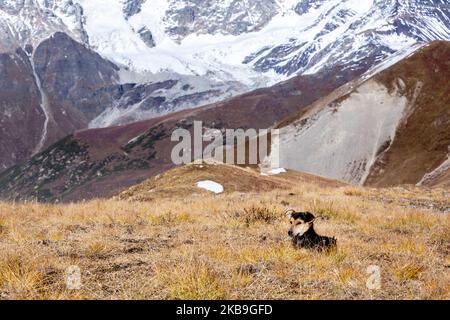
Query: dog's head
pixel 300 222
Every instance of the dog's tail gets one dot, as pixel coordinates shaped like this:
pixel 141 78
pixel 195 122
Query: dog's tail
pixel 334 241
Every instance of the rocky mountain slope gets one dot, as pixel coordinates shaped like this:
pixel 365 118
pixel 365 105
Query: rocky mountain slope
pixel 49 91
pixel 102 162
pixel 351 122
pixel 387 130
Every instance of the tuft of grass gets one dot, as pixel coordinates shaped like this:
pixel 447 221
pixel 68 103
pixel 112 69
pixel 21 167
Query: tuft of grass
pixel 254 214
pixel 322 208
pixel 329 209
pixel 269 254
pixel 3 226
pixel 409 271
pixel 353 192
pixel 347 275
pixel 169 218
pixel 97 250
pixel 20 275
pixel 338 256
pixel 197 280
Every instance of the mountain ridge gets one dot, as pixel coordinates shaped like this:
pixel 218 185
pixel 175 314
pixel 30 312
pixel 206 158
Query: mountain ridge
pixel 399 117
pixel 101 162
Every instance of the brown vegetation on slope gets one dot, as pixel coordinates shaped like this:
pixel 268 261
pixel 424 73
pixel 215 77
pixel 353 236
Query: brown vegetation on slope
pixel 106 161
pixel 182 181
pixel 422 141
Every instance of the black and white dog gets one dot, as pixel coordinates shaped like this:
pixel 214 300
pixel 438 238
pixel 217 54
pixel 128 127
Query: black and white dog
pixel 303 234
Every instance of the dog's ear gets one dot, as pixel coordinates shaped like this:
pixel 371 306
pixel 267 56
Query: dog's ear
pixel 309 217
pixel 289 213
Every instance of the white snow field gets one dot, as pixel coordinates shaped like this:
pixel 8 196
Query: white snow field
pixel 273 172
pixel 223 53
pixel 294 37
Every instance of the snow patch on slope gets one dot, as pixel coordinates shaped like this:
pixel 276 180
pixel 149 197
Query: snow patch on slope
pixel 273 172
pixel 444 167
pixel 45 106
pixel 211 186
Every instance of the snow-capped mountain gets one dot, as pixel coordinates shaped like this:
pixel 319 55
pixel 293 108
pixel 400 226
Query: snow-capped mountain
pixel 246 44
pixel 139 58
pixel 29 22
pixel 236 40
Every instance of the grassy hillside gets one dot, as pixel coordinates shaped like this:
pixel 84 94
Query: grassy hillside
pixel 231 246
pixel 182 181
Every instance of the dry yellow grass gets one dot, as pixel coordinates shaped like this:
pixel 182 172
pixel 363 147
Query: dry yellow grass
pixel 232 246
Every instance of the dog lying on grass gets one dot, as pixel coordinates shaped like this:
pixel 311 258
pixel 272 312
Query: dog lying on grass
pixel 303 234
